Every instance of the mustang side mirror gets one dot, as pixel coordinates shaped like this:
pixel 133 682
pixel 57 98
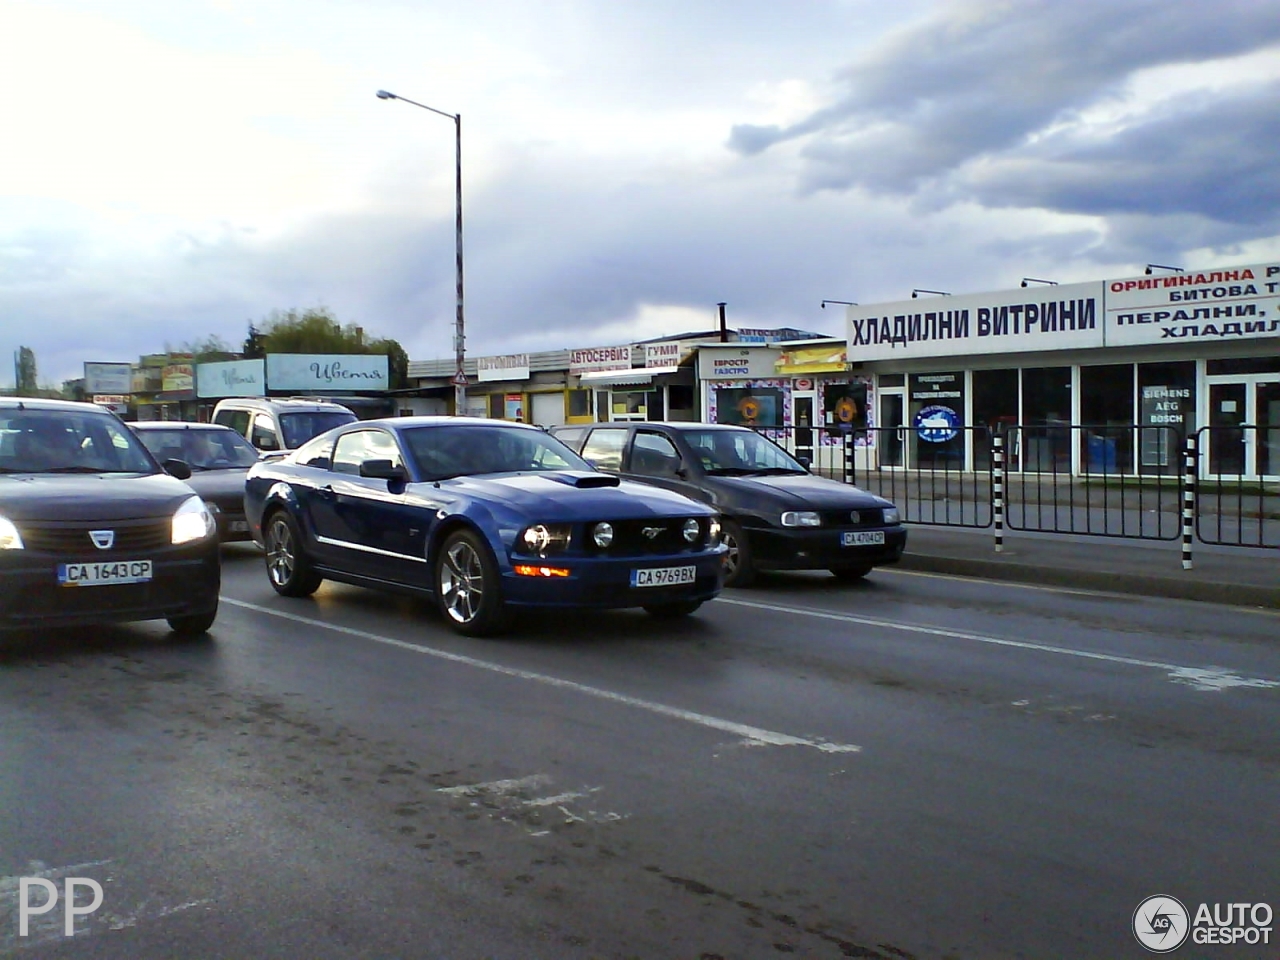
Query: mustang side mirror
pixel 177 468
pixel 384 470
pixel 682 472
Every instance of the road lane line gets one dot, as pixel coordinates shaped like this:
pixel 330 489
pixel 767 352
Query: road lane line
pixel 1202 678
pixel 756 735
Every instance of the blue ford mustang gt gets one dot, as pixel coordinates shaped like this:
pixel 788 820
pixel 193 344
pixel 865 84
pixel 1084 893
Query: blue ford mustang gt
pixel 487 516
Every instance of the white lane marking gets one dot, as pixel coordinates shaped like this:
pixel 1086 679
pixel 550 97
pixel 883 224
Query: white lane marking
pixel 757 735
pixel 531 782
pixel 1201 678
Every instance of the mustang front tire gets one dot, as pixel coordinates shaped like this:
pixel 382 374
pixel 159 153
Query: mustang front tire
pixel 288 567
pixel 468 586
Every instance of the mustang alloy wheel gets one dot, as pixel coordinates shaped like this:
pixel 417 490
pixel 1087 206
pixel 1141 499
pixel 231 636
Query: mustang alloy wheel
pixel 468 590
pixel 288 567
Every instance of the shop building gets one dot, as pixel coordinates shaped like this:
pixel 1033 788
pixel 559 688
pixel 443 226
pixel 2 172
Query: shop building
pixel 1101 377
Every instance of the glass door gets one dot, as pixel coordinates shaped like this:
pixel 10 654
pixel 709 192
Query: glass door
pixel 892 432
pixel 1228 409
pixel 802 406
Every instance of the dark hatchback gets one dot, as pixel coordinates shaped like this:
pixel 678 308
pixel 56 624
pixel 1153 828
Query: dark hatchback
pixel 487 516
pixel 219 459
pixel 93 530
pixel 776 515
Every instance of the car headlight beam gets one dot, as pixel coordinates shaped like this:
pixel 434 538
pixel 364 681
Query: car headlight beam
pixel 10 538
pixel 192 521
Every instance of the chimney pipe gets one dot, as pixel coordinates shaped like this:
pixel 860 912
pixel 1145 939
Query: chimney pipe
pixel 724 330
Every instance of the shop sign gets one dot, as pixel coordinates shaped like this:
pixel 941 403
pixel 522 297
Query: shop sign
pixel 1063 317
pixel 736 364
pixel 232 378
pixel 600 358
pixel 108 378
pixel 178 378
pixel 327 371
pixel 662 354
pixel 937 424
pixel 514 366
pixel 1208 306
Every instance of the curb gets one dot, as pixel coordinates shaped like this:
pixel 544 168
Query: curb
pixel 1143 585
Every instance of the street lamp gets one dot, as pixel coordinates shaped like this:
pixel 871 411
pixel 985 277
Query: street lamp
pixel 847 303
pixel 460 329
pixel 919 290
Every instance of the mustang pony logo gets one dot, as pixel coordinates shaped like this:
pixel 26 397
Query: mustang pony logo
pixel 103 539
pixel 651 532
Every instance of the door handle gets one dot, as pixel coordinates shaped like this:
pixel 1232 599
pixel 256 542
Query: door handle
pixel 326 491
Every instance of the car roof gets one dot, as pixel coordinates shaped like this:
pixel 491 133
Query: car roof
pixel 33 403
pixel 304 404
pixel 177 425
pixel 670 425
pixel 430 421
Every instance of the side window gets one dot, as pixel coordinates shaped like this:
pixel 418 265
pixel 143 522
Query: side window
pixel 654 455
pixel 571 437
pixel 237 420
pixel 264 433
pixel 352 449
pixel 316 453
pixel 604 448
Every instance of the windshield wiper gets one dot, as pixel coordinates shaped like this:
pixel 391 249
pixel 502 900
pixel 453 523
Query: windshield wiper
pixel 777 471
pixel 730 472
pixel 79 469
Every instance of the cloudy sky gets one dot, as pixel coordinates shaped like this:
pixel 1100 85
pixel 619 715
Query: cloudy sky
pixel 171 170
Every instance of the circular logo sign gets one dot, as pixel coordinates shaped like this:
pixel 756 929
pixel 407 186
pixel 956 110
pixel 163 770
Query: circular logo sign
pixel 749 408
pixel 846 410
pixel 937 424
pixel 1161 924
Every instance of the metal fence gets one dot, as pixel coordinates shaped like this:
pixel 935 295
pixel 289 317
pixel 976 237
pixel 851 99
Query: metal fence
pixel 1237 495
pixel 1109 480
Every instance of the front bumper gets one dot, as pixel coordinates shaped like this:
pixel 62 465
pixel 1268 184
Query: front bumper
pixel 808 548
pixel 605 582
pixel 185 581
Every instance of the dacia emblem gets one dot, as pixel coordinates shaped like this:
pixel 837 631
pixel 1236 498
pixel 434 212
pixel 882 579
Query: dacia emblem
pixel 103 539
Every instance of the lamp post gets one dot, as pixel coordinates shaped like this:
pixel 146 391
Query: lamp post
pixel 460 329
pixel 847 303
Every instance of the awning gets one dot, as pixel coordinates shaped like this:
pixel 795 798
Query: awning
pixel 619 378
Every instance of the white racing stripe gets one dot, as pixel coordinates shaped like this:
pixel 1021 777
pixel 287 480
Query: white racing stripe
pixel 1202 678
pixel 755 735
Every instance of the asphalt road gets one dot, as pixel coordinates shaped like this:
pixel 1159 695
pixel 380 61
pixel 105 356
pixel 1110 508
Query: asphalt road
pixel 917 766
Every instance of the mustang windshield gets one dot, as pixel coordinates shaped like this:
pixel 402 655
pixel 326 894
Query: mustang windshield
pixel 455 451
pixel 58 441
pixel 740 452
pixel 201 449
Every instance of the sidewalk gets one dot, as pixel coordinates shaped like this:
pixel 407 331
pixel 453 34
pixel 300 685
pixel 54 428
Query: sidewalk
pixel 1243 577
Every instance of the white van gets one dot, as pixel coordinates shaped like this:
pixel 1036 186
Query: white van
pixel 280 425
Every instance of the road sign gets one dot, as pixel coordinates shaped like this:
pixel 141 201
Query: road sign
pixel 459 379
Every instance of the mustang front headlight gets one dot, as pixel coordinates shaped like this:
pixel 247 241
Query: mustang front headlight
pixel 801 518
pixel 542 538
pixel 192 521
pixel 10 538
pixel 690 530
pixel 892 516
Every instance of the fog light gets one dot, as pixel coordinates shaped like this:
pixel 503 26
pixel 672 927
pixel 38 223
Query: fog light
pixel 602 534
pixel 691 530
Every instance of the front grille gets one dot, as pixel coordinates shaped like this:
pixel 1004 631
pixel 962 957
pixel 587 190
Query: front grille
pixel 871 517
pixel 630 539
pixel 72 538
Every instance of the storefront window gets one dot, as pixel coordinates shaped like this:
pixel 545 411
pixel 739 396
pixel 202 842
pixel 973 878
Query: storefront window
pixel 1106 413
pixel 844 406
pixel 937 420
pixel 579 403
pixel 995 407
pixel 749 406
pixel 1045 437
pixel 1167 406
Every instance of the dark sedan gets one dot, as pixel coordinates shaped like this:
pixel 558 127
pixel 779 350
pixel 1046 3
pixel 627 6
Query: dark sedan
pixel 776 515
pixel 219 459
pixel 93 530
pixel 486 516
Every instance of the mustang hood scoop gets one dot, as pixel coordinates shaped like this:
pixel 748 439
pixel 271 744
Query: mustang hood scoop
pixel 583 479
